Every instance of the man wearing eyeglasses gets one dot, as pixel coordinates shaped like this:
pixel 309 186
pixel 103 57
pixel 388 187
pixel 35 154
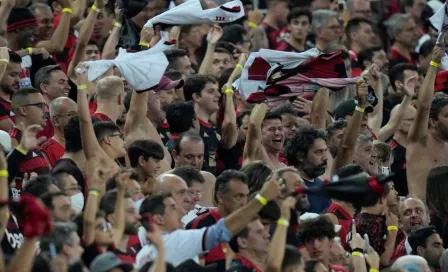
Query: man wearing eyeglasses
pixel 61 110
pixel 29 107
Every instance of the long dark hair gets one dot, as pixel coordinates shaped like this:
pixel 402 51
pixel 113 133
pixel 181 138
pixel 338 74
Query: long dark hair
pixel 436 188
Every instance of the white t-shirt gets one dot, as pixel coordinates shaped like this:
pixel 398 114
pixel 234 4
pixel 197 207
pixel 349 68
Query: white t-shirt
pixel 180 245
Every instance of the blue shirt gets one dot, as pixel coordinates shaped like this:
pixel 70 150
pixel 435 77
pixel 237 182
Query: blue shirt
pixel 318 204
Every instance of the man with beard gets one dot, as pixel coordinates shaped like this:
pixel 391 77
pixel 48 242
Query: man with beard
pixel 166 93
pixel 307 152
pixel 231 193
pixel 266 128
pixel 129 244
pixel 426 242
pixel 9 84
pixel 429 133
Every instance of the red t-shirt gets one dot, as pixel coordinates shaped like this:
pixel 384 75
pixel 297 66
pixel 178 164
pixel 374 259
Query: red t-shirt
pixel 6 110
pixel 53 150
pixel 344 220
pixel 102 117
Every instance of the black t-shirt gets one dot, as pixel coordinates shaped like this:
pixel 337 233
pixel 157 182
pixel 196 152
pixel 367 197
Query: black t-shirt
pixel 13 238
pixel 399 168
pixel 229 158
pixel 241 264
pixel 211 140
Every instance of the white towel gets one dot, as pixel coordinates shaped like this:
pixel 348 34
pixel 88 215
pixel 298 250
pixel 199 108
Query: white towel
pixel 142 70
pixel 191 12
pixel 440 20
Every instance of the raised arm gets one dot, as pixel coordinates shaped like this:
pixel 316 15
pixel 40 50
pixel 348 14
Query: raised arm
pixel 319 108
pixel 90 143
pixel 376 117
pixel 79 7
pixel 123 181
pixel 278 242
pixel 348 143
pixel 57 41
pixel 419 128
pixel 138 126
pixel 397 115
pixel 229 129
pixel 253 138
pixel 112 40
pixel 213 37
pixel 5 9
pixel 96 186
pixel 84 36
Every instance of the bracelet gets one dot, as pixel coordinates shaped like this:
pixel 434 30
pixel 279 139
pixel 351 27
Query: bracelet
pixel 391 228
pixel 21 150
pixel 4 173
pixel 67 10
pixel 373 270
pixel 239 66
pixel 30 50
pixel 283 222
pixel 117 24
pixel 95 8
pixel 4 60
pixel 262 200
pixel 358 108
pixel 252 25
pixel 229 91
pixel 82 87
pixel 95 193
pixel 356 253
pixel 144 44
pixel 435 64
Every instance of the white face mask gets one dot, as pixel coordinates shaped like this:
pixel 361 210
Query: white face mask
pixel 138 204
pixel 77 201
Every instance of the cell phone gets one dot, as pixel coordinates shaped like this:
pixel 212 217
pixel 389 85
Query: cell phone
pixel 385 170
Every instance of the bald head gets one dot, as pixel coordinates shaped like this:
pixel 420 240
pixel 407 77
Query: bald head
pixel 62 105
pixel 411 263
pixel 169 183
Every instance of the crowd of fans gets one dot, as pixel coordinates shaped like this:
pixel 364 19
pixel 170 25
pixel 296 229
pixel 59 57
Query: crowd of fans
pixel 195 174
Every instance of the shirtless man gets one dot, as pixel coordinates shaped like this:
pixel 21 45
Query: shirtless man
pixel 265 138
pixel 427 147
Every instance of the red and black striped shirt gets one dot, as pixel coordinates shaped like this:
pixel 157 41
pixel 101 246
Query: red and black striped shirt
pixel 344 220
pixel 6 110
pixel 217 254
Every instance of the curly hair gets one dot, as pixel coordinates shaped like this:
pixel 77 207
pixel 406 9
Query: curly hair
pixel 298 148
pixel 319 227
